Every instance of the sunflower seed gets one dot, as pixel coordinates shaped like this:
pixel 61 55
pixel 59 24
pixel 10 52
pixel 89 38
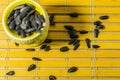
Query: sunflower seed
pixel 76 42
pixel 31 67
pixel 16 44
pixel 31 6
pixel 64 49
pixel 68 27
pixel 88 42
pixel 41 17
pixel 48 41
pixel 11 14
pixel 52 23
pixel 10 19
pixel 34 24
pixel 74 15
pixel 37 19
pixel 76 46
pixel 30 49
pixel 23 34
pixel 51 77
pixel 17 27
pixel 43 46
pixel 100 27
pixel 24 11
pixel 17 12
pixel 31 13
pixel 20 6
pixel 12 25
pixel 83 32
pixel 104 17
pixel 36 59
pixel 96 32
pixel 10 73
pixel 18 32
pixel 95 46
pixel 47 48
pixel 51 18
pixel 72 69
pixel 74 36
pixel 97 22
pixel 72 41
pixel 18 20
pixel 30 30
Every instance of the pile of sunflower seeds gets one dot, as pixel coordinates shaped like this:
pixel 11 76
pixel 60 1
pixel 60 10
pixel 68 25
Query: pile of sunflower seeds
pixel 24 20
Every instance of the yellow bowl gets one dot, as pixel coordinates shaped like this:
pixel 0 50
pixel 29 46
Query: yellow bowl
pixel 36 38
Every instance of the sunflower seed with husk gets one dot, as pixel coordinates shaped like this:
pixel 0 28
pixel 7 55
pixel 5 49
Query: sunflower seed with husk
pixel 12 25
pixel 30 30
pixel 95 46
pixel 96 32
pixel 31 67
pixel 37 19
pixel 24 25
pixel 43 46
pixel 48 41
pixel 30 49
pixel 100 27
pixel 72 69
pixel 17 27
pixel 52 77
pixel 17 12
pixel 72 41
pixel 24 11
pixel 10 19
pixel 16 44
pixel 34 24
pixel 76 42
pixel 97 23
pixel 36 59
pixel 76 46
pixel 83 32
pixel 68 27
pixel 23 34
pixel 20 6
pixel 104 17
pixel 74 14
pixel 31 13
pixel 18 20
pixel 10 73
pixel 64 49
pixel 31 6
pixel 11 14
pixel 18 32
pixel 47 48
pixel 88 42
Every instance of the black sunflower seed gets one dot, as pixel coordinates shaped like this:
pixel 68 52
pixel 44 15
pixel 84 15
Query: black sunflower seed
pixel 23 34
pixel 47 48
pixel 31 6
pixel 72 69
pixel 30 49
pixel 12 25
pixel 76 46
pixel 68 27
pixel 48 41
pixel 11 14
pixel 74 36
pixel 10 20
pixel 43 46
pixel 64 49
pixel 95 46
pixel 51 18
pixel 20 6
pixel 30 30
pixel 74 15
pixel 97 22
pixel 31 67
pixel 104 17
pixel 96 32
pixel 52 77
pixel 72 41
pixel 76 42
pixel 18 32
pixel 41 17
pixel 16 44
pixel 17 12
pixel 18 20
pixel 52 23
pixel 38 19
pixel 83 32
pixel 36 59
pixel 10 73
pixel 100 27
pixel 24 11
pixel 88 42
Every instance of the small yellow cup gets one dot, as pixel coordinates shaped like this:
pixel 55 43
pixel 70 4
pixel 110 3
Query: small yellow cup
pixel 33 40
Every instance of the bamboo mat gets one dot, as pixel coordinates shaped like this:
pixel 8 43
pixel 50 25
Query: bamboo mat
pixel 100 64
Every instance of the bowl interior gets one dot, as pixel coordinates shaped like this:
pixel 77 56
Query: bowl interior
pixel 11 7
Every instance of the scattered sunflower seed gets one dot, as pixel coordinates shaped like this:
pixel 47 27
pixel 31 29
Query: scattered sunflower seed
pixel 43 46
pixel 36 59
pixel 10 73
pixel 74 15
pixel 31 67
pixel 76 42
pixel 72 69
pixel 30 49
pixel 95 46
pixel 68 27
pixel 16 44
pixel 76 46
pixel 64 49
pixel 88 42
pixel 52 77
pixel 97 23
pixel 51 18
pixel 83 32
pixel 48 41
pixel 96 33
pixel 74 36
pixel 104 17
pixel 72 41
pixel 47 48
pixel 100 27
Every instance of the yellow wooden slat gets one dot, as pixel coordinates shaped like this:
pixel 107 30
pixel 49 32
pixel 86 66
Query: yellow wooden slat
pixel 108 78
pixel 63 73
pixel 3 44
pixel 108 53
pixel 1 27
pixel 2 72
pixel 20 53
pixel 19 78
pixel 80 78
pixel 108 63
pixel 2 9
pixel 3 2
pixel 47 78
pixel 108 72
pixel 3 53
pixel 2 63
pixel 19 63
